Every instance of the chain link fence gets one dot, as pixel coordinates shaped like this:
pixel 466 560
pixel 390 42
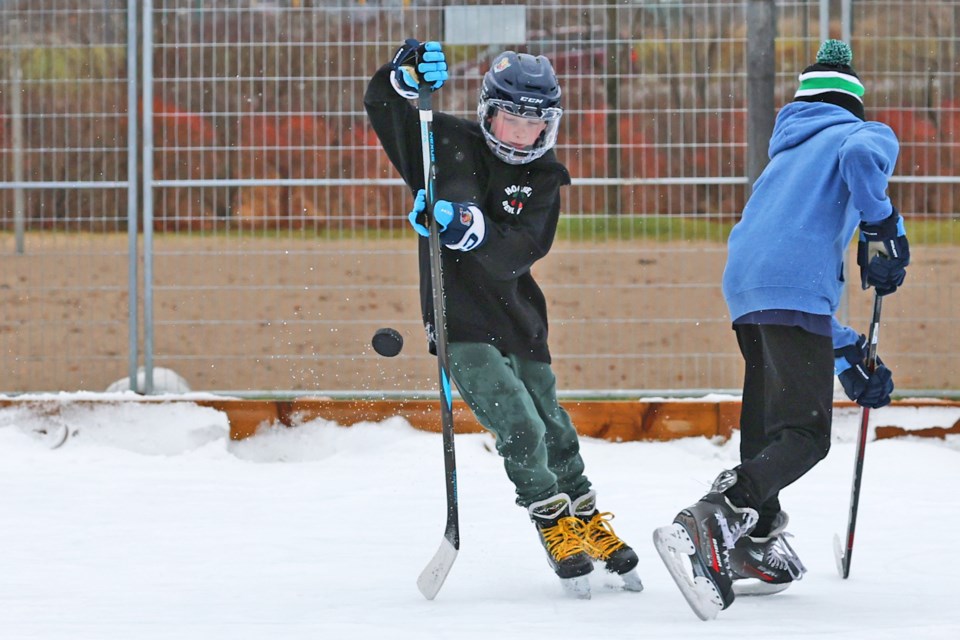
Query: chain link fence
pixel 192 184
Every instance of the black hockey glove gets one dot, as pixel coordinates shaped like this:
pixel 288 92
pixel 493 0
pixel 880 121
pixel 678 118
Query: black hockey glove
pixel 883 254
pixel 414 60
pixel 866 389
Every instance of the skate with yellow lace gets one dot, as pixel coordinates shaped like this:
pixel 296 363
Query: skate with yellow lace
pixel 602 544
pixel 560 534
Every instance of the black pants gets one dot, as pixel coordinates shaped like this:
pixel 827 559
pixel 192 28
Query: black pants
pixel 786 412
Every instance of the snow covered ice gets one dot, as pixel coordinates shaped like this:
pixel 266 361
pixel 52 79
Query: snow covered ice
pixel 150 523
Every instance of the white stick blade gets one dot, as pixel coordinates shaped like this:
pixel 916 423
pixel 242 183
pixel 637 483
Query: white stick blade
pixel 838 553
pixel 433 575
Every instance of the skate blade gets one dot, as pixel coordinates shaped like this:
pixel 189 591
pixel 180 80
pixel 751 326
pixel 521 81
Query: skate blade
pixel 675 547
pixel 578 587
pixel 631 581
pixel 751 587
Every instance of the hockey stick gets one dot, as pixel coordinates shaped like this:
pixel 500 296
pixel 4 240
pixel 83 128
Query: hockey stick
pixel 433 575
pixel 843 555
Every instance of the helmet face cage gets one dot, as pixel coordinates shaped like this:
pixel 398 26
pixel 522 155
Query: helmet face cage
pixel 507 152
pixel 524 86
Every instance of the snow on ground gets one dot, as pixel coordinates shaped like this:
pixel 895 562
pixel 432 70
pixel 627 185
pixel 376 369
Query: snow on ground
pixel 149 523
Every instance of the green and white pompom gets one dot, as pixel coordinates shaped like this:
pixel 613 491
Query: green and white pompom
pixel 835 52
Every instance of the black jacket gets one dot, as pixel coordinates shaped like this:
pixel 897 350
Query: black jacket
pixel 490 293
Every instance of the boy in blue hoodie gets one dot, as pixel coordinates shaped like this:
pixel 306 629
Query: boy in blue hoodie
pixel 828 173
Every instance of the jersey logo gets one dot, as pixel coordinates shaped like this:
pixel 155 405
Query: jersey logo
pixel 516 197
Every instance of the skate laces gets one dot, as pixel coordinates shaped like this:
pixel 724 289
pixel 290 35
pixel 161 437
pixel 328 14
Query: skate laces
pixel 564 538
pixel 732 531
pixel 599 538
pixel 780 555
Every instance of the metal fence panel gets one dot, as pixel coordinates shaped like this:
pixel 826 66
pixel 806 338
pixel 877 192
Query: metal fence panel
pixel 278 241
pixel 66 260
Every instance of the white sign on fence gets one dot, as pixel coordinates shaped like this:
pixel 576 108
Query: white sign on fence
pixel 485 24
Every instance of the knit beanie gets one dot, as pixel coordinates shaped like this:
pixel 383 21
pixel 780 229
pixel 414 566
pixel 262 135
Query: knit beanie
pixel 831 79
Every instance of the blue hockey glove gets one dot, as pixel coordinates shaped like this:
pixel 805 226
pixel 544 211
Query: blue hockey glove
pixel 462 226
pixel 414 60
pixel 866 389
pixel 416 217
pixel 883 254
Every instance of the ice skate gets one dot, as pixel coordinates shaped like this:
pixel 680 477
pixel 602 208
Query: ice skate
pixel 560 536
pixel 602 544
pixel 767 565
pixel 704 534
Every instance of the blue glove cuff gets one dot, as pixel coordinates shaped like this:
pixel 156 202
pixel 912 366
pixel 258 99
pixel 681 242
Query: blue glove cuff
pixel 850 355
pixel 840 365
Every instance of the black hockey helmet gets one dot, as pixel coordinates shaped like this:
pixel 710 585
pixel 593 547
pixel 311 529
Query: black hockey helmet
pixel 522 85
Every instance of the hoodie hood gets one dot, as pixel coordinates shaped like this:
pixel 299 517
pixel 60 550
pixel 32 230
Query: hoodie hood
pixel 828 171
pixel 798 121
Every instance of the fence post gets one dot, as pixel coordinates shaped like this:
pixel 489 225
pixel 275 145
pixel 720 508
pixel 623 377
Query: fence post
pixel 824 20
pixel 133 257
pixel 147 195
pixel 16 123
pixel 761 27
pixel 613 68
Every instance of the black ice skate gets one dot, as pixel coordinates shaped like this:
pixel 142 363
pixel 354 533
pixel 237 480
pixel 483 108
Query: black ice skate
pixel 603 545
pixel 767 565
pixel 560 536
pixel 704 534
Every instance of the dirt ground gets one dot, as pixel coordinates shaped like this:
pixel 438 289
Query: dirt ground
pixel 250 314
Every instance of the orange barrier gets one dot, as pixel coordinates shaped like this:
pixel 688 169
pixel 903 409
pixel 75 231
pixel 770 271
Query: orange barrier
pixel 614 420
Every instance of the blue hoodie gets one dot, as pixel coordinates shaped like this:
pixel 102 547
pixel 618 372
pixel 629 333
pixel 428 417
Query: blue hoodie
pixel 828 171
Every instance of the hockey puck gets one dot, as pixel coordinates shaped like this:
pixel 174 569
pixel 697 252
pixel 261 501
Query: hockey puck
pixel 387 342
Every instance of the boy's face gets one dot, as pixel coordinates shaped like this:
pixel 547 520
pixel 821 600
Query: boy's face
pixel 516 131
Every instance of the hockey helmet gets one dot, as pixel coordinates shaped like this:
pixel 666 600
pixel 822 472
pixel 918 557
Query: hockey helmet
pixel 526 86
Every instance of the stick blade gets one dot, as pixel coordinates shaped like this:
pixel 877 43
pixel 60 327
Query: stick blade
pixel 434 574
pixel 842 567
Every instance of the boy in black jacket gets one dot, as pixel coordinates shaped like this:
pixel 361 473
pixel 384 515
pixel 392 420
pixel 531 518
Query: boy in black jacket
pixel 498 201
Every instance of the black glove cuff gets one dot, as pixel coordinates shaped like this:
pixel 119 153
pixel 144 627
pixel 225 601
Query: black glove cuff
pixel 853 353
pixel 883 230
pixel 406 54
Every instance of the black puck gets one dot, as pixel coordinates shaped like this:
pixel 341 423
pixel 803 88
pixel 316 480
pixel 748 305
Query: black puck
pixel 387 342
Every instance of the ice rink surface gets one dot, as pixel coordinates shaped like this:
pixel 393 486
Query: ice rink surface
pixel 150 523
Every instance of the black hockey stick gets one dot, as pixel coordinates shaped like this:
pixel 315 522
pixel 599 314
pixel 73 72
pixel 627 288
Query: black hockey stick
pixel 433 575
pixel 841 553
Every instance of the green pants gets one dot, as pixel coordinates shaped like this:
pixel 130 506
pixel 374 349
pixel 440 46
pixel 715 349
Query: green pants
pixel 516 400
